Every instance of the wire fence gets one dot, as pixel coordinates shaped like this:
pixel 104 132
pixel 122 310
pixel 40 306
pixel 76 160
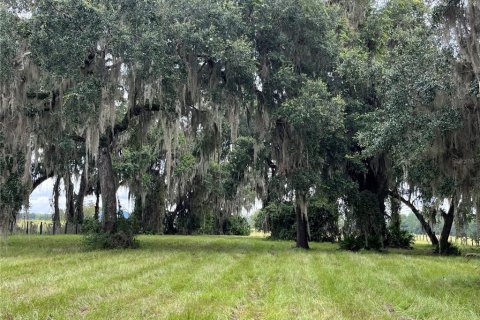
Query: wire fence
pixel 466 241
pixel 44 227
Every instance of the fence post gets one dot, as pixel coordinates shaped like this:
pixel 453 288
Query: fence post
pixel 53 229
pixel 27 228
pixel 41 227
pixel 76 227
pixel 66 224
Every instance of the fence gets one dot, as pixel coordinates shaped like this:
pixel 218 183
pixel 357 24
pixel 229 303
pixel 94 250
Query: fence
pixel 43 227
pixel 462 240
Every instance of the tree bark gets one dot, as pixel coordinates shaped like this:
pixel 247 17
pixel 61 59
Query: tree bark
pixel 97 200
pixel 108 186
pixel 426 227
pixel 39 181
pixel 477 222
pixel 80 197
pixel 3 232
pixel 150 208
pixel 70 198
pixel 153 210
pixel 302 219
pixel 221 222
pixel 374 180
pixel 56 208
pixel 395 220
pixel 448 218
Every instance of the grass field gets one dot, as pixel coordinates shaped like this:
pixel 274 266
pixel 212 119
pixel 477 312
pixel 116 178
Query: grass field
pixel 211 277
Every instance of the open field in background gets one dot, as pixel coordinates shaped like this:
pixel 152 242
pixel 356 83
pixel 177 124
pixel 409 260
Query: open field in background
pixel 461 242
pixel 213 277
pixel 47 228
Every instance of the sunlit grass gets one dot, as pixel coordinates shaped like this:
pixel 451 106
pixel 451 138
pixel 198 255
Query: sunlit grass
pixel 211 277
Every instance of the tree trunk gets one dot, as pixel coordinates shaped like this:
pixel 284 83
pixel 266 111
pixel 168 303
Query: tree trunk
pixel 448 218
pixel 108 186
pixel 477 220
pixel 302 219
pixel 97 200
pixel 56 209
pixel 12 224
pixel 3 231
pixel 374 181
pixel 153 207
pixel 395 220
pixel 426 227
pixel 70 199
pixel 80 197
pixel 221 222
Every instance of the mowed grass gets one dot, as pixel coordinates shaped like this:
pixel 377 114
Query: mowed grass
pixel 213 277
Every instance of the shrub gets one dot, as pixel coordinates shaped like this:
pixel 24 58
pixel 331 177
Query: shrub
pixel 450 250
pixel 122 237
pixel 182 222
pixel 261 221
pixel 207 223
pixel 374 242
pixel 352 243
pixel 91 225
pixel 237 225
pixel 280 220
pixel 400 238
pixel 115 240
pixel 323 222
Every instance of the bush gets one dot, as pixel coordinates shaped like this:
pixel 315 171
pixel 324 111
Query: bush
pixel 374 242
pixel 323 222
pixel 280 220
pixel 91 225
pixel 450 250
pixel 237 225
pixel 123 236
pixel 105 240
pixel 261 221
pixel 400 238
pixel 205 222
pixel 352 243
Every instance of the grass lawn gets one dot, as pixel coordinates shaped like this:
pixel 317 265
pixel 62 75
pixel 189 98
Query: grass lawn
pixel 212 277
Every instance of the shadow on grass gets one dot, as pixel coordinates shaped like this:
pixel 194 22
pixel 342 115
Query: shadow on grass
pixel 243 245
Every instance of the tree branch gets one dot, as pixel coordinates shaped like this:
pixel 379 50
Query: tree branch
pixel 418 214
pixel 133 112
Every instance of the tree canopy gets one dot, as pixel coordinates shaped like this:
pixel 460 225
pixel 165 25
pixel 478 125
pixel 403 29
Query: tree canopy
pixel 201 107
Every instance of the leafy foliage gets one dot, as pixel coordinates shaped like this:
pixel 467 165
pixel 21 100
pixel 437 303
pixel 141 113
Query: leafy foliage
pixel 450 250
pixel 123 236
pixel 279 219
pixel 400 238
pixel 352 243
pixel 201 107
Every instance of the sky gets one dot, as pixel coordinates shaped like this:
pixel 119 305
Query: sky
pixel 41 200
